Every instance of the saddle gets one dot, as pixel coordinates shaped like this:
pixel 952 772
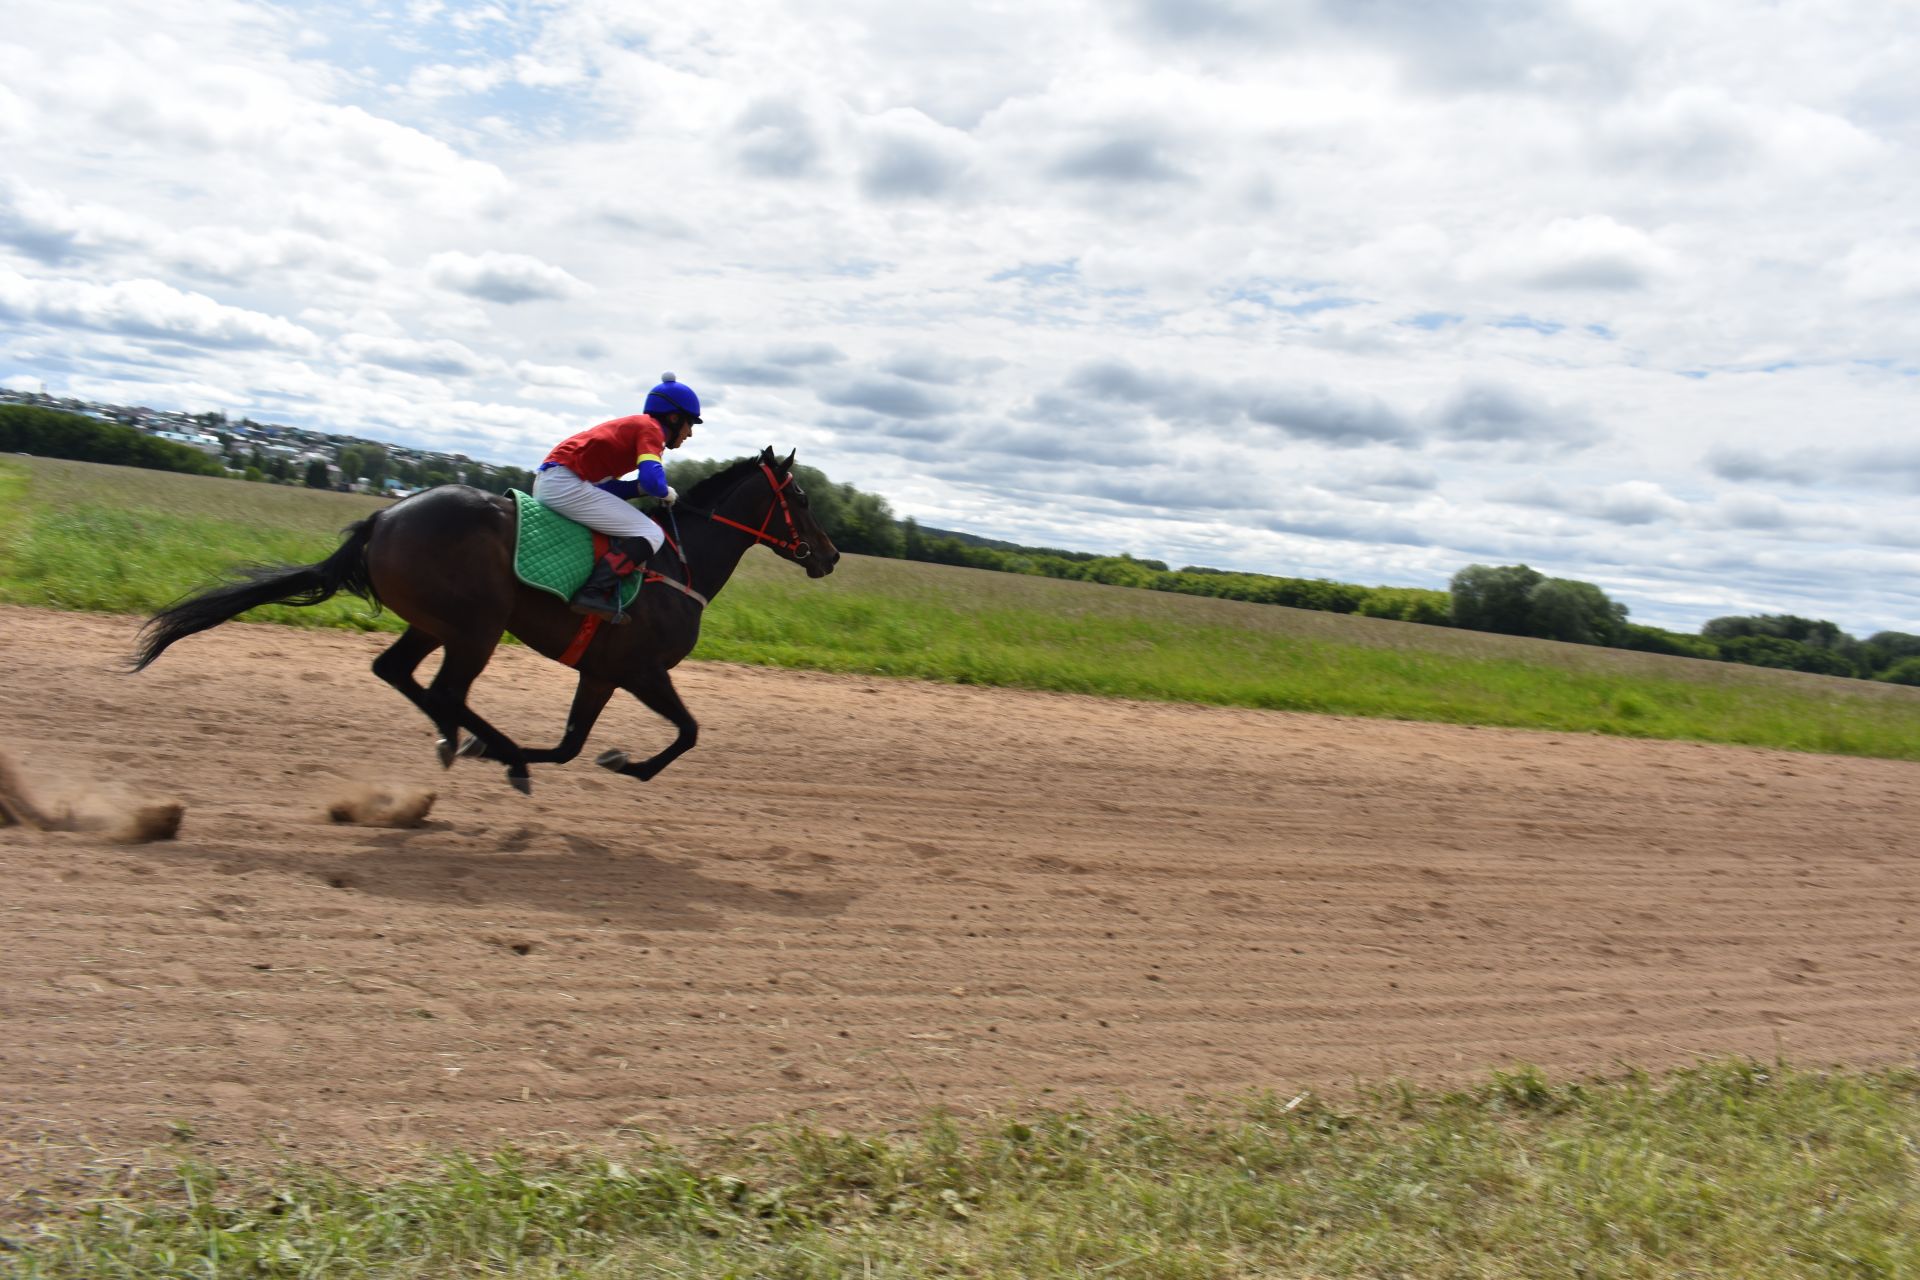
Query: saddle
pixel 555 554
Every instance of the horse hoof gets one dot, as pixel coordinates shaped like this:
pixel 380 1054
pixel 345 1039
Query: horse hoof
pixel 446 751
pixel 472 748
pixel 521 783
pixel 614 760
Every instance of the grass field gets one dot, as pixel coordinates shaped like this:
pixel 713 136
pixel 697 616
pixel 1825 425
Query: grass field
pixel 1734 1169
pixel 80 536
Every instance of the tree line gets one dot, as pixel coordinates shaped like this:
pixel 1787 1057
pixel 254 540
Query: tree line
pixel 1517 600
pixel 1506 599
pixel 52 433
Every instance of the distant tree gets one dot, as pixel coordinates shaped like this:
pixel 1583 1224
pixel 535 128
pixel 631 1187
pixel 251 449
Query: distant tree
pixel 1886 649
pixel 255 474
pixel 317 477
pixel 1784 654
pixel 1905 671
pixel 1488 598
pixel 1116 571
pixel 367 462
pixel 1408 604
pixel 1655 640
pixel 1573 611
pixel 1847 655
pixel 1785 626
pixel 859 523
pixel 1895 644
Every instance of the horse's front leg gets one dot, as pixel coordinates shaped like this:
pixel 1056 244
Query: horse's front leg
pixel 655 690
pixel 447 701
pixel 589 700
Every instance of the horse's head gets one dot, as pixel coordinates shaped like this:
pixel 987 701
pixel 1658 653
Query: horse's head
pixel 767 501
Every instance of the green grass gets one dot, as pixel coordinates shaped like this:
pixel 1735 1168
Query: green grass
pixel 1733 1169
pixel 75 535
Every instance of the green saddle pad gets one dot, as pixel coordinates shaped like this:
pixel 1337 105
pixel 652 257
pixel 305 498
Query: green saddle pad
pixel 554 553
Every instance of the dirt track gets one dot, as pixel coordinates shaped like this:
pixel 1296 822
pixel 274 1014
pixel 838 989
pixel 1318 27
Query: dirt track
pixel 859 899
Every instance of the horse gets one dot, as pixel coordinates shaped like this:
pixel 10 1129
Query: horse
pixel 443 561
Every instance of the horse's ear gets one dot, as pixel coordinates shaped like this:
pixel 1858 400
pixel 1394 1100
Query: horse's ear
pixel 766 455
pixel 788 464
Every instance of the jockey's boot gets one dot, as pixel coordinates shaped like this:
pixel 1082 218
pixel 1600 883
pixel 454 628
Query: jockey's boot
pixel 601 592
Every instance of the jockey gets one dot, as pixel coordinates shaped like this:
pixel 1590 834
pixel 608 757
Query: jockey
pixel 579 480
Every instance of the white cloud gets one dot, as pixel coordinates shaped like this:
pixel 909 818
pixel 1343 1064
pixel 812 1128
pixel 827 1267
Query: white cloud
pixel 46 226
pixel 437 357
pixel 145 309
pixel 1697 132
pixel 502 277
pixel 1589 252
pixel 16 114
pixel 555 375
pixel 909 155
pixel 1883 270
pixel 1637 502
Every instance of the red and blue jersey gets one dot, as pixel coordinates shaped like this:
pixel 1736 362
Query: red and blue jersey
pixel 601 454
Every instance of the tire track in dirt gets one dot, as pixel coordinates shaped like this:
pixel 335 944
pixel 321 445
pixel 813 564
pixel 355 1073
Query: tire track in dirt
pixel 859 899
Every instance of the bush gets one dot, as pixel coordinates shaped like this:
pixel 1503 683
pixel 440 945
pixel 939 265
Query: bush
pixel 1408 604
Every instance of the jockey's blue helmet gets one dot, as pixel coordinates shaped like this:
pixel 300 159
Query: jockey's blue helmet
pixel 673 396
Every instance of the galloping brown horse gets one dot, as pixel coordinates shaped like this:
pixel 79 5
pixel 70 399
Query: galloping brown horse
pixel 443 561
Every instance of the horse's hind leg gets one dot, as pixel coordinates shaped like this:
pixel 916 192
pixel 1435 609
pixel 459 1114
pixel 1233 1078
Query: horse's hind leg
pixel 447 696
pixel 396 666
pixel 655 689
pixel 589 700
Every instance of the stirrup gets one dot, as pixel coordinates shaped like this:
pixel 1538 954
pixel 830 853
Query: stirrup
pixel 600 606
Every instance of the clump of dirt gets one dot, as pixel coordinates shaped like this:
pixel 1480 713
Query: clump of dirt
pixel 150 822
pixel 17 808
pixel 375 806
pixel 130 824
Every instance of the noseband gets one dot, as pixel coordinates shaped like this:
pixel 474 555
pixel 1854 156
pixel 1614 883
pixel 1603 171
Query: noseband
pixel 793 544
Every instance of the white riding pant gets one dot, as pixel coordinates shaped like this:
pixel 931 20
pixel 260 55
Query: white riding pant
pixel 597 509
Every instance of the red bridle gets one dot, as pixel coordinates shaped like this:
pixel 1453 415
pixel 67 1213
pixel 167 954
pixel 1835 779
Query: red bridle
pixel 793 543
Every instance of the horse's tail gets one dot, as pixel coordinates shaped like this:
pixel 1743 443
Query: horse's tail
pixel 344 570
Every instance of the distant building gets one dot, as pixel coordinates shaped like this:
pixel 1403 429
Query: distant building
pixel 204 443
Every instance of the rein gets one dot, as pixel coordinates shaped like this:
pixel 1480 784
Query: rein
pixel 686 570
pixel 792 544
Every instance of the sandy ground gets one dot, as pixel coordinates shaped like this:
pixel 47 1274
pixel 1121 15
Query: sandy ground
pixel 860 899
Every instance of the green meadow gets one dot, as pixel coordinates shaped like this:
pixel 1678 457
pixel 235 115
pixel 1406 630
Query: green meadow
pixel 83 536
pixel 1731 1169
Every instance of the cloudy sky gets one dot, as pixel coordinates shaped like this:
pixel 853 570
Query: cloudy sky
pixel 1368 289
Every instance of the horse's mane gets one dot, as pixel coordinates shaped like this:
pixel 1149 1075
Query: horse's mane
pixel 709 491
